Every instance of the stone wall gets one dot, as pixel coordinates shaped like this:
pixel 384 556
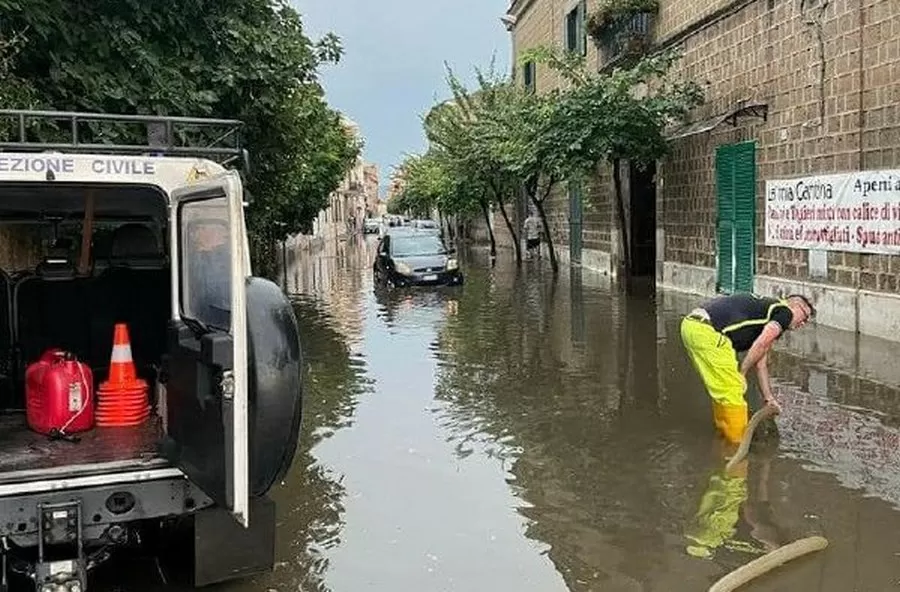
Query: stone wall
pixel 765 51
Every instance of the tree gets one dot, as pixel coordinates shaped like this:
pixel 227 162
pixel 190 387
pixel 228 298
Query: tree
pixel 500 136
pixel 13 89
pixel 613 117
pixel 476 147
pixel 433 183
pixel 448 127
pixel 518 133
pixel 241 59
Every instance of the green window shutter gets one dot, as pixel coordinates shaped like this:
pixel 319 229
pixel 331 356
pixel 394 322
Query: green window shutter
pixel 725 218
pixel 744 164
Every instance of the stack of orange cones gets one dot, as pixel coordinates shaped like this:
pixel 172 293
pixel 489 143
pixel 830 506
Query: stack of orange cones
pixel 122 400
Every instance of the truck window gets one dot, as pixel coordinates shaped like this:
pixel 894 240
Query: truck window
pixel 206 262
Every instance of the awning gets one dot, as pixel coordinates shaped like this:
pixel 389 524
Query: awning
pixel 756 109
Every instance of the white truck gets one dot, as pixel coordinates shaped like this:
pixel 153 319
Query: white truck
pixel 151 234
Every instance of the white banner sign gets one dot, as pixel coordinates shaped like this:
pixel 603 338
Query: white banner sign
pixel 857 212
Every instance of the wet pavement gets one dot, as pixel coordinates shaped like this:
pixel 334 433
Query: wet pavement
pixel 520 433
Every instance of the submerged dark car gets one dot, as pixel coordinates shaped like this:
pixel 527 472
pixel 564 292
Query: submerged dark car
pixel 411 257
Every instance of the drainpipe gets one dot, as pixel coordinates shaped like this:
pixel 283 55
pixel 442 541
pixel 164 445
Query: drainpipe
pixel 509 22
pixel 861 147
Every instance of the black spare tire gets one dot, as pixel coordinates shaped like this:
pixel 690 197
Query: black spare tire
pixel 274 383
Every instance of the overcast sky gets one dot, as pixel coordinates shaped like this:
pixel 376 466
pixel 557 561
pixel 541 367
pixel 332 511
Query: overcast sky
pixel 392 70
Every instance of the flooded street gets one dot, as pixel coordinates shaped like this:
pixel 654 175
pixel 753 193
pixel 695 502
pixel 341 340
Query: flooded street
pixel 523 434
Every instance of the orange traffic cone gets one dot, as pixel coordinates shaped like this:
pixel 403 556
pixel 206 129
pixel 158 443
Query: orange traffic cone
pixel 122 399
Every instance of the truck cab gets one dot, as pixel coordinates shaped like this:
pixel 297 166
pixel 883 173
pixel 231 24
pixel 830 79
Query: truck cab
pixel 150 236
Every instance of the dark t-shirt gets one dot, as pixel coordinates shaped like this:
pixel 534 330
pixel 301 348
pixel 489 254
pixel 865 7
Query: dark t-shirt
pixel 742 317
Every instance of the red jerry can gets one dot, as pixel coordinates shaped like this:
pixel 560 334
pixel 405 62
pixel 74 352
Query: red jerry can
pixel 59 394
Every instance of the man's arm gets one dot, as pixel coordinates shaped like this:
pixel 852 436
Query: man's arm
pixel 761 346
pixel 758 357
pixel 762 375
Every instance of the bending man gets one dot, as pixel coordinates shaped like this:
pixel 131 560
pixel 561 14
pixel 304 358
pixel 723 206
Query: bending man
pixel 723 327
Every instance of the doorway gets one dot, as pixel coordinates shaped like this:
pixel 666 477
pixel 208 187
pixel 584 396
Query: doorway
pixel 642 182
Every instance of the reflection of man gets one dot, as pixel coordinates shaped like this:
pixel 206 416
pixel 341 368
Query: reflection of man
pixel 725 326
pixel 716 519
pixel 210 277
pixel 532 234
pixel 726 499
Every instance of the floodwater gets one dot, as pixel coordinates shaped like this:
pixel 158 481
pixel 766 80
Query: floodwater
pixel 526 434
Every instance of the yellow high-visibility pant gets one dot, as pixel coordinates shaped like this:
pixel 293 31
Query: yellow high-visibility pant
pixel 715 360
pixel 716 520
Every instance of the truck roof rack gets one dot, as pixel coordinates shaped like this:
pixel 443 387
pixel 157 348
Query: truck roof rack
pixel 25 130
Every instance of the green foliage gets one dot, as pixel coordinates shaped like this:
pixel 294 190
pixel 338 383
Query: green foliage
pixel 495 134
pixel 458 141
pixel 428 184
pixel 241 59
pixel 504 139
pixel 611 16
pixel 620 115
pixel 13 89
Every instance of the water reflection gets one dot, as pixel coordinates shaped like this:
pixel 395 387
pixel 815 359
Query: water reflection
pixel 327 288
pixel 607 436
pixel 530 433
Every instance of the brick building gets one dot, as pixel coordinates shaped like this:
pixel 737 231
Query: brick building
pixel 762 189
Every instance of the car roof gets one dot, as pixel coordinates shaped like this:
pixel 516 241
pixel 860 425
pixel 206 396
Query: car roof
pixel 408 230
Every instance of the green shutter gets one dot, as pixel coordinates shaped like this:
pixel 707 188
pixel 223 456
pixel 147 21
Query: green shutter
pixel 736 218
pixel 745 215
pixel 725 219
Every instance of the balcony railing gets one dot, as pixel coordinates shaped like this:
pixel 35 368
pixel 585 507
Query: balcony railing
pixel 632 39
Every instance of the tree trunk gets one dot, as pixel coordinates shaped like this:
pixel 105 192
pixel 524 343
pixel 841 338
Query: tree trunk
pixel 487 221
pixel 620 210
pixel 512 231
pixel 539 204
pixel 451 224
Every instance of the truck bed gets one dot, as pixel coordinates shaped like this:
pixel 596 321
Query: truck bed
pixel 28 456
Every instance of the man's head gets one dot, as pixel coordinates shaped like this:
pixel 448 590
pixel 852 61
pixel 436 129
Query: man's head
pixel 802 308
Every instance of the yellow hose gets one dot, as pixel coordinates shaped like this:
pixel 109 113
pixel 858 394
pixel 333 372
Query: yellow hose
pixel 744 446
pixel 768 562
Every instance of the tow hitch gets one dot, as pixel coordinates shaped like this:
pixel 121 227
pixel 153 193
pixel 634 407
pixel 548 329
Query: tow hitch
pixel 61 564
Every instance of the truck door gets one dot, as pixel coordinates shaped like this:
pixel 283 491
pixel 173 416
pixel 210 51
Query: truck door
pixel 206 374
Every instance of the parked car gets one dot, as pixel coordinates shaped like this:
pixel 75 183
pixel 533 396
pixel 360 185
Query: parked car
pixel 425 225
pixel 371 226
pixel 415 257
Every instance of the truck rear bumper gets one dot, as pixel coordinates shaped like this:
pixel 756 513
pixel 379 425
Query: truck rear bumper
pixel 105 500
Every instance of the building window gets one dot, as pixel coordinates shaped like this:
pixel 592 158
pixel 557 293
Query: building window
pixel 576 32
pixel 528 76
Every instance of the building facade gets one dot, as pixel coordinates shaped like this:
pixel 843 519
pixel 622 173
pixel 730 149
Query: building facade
pixel 348 204
pixel 786 180
pixel 370 184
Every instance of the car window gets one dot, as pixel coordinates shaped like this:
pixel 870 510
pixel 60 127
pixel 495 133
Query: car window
pixel 411 246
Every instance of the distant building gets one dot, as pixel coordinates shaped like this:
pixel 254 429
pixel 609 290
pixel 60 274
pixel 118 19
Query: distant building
pixel 370 184
pixel 348 205
pixel 397 184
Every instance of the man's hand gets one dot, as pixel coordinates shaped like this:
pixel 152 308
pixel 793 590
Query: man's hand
pixel 774 403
